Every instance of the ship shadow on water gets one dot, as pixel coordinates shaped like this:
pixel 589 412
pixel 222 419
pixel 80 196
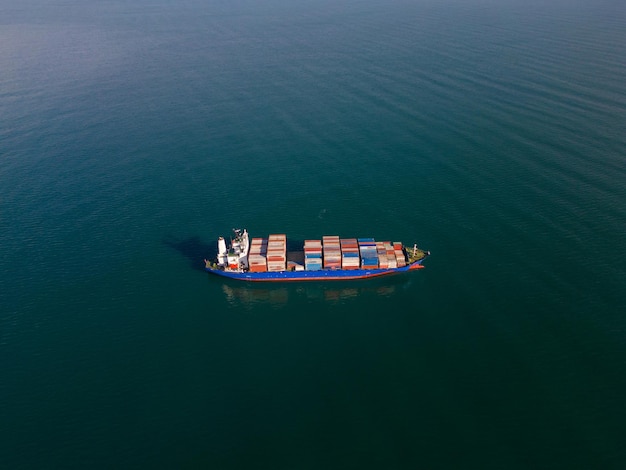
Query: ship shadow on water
pixel 194 249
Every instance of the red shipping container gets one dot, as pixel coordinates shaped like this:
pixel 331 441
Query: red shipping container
pixel 258 269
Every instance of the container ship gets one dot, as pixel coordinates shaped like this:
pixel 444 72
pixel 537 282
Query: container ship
pixel 331 258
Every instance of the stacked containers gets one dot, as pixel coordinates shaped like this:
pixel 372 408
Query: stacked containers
pixel 381 252
pixel 312 255
pixel 391 256
pixel 369 256
pixel 276 253
pixel 257 257
pixel 349 253
pixel 399 252
pixel 332 252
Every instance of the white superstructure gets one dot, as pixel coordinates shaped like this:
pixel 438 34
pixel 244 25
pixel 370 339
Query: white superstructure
pixel 234 258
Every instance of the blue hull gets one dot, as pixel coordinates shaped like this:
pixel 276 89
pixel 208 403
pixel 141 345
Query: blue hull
pixel 322 275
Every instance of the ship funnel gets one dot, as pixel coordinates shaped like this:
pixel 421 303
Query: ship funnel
pixel 222 252
pixel 221 246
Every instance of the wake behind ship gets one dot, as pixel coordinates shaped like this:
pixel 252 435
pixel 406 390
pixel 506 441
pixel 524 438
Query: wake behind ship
pixel 331 258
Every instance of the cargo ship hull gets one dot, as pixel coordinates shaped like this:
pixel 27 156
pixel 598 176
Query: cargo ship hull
pixel 328 259
pixel 321 275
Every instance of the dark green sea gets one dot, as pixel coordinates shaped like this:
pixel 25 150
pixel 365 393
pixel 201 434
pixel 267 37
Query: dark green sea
pixel 133 134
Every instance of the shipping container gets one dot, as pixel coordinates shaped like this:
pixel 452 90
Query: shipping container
pixel 258 269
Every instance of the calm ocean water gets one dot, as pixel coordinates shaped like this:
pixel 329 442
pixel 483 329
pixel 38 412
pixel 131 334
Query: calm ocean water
pixel 133 134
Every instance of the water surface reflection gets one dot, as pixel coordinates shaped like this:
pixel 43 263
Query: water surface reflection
pixel 244 294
